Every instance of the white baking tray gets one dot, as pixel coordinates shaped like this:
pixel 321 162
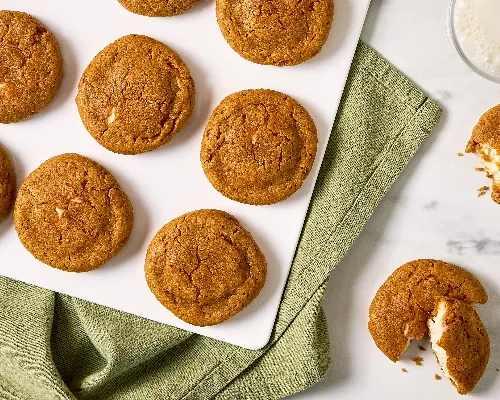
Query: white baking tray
pixel 168 182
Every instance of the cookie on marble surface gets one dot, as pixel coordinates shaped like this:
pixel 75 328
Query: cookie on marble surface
pixel 31 66
pixel 135 95
pixel 280 32
pixel 460 342
pixel 485 143
pixel 7 183
pixel 158 8
pixel 205 267
pixel 401 308
pixel 70 213
pixel 258 147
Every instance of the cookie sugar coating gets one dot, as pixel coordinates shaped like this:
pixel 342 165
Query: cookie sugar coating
pixel 31 66
pixel 278 32
pixel 205 267
pixel 258 147
pixel 402 306
pixel 460 342
pixel 135 95
pixel 485 143
pixel 7 183
pixel 71 214
pixel 158 8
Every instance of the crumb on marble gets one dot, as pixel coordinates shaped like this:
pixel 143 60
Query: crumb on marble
pixel 405 370
pixel 460 154
pixel 422 348
pixel 417 360
pixel 479 169
pixel 437 377
pixel 482 191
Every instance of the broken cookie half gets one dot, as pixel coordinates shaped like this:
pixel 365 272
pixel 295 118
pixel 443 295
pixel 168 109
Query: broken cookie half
pixel 485 143
pixel 460 342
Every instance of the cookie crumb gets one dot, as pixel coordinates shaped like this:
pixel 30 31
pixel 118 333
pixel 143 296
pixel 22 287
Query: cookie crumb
pixel 417 361
pixel 404 370
pixel 479 169
pixel 460 154
pixel 422 348
pixel 437 377
pixel 482 191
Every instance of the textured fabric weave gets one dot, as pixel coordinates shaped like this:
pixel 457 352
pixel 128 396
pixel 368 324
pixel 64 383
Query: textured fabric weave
pixel 57 347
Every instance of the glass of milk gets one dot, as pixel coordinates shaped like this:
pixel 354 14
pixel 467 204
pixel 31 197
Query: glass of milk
pixel 474 27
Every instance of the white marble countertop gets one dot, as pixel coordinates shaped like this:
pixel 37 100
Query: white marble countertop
pixel 431 212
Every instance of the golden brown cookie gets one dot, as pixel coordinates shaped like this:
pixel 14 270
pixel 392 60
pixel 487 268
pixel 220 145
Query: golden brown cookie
pixel 135 95
pixel 31 66
pixel 278 32
pixel 7 183
pixel 71 214
pixel 485 143
pixel 205 267
pixel 258 147
pixel 460 342
pixel 401 307
pixel 158 8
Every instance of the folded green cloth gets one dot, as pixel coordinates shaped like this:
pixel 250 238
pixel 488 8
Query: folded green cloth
pixel 57 347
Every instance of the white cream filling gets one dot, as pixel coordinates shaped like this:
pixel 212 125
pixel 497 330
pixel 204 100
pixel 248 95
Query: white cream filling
pixel 436 330
pixel 491 161
pixel 407 328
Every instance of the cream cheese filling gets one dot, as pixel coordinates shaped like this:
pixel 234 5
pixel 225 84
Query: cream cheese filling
pixel 436 329
pixel 491 161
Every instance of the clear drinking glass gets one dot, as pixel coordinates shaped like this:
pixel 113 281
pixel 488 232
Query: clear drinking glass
pixel 461 52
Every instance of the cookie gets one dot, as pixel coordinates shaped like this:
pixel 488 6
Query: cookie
pixel 7 183
pixel 31 66
pixel 70 213
pixel 205 267
pixel 158 8
pixel 259 146
pixel 460 342
pixel 401 308
pixel 135 95
pixel 279 32
pixel 485 143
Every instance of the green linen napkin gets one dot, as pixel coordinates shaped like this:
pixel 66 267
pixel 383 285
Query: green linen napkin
pixel 57 347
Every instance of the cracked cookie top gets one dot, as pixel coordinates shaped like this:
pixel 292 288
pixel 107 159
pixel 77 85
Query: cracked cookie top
pixel 71 214
pixel 258 147
pixel 158 8
pixel 135 95
pixel 7 183
pixel 402 306
pixel 277 32
pixel 31 66
pixel 205 267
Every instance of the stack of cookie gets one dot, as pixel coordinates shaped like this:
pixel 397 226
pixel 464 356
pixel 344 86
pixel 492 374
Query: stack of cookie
pixel 434 298
pixel 137 94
